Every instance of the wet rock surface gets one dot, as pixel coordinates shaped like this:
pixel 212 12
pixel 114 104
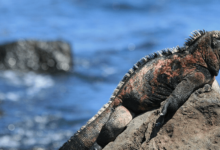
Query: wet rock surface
pixel 196 125
pixel 39 56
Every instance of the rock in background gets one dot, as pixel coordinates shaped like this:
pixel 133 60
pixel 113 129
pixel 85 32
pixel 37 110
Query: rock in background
pixel 196 125
pixel 39 56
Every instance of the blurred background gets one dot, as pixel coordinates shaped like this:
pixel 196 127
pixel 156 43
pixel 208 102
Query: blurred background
pixel 40 110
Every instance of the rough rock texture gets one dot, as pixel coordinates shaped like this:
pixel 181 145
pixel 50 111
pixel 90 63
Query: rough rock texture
pixel 40 56
pixel 195 126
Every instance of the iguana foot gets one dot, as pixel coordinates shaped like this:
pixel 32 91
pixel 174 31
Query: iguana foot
pixel 96 147
pixel 206 88
pixel 168 106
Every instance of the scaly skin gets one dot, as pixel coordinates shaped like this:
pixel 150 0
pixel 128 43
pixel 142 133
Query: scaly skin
pixel 172 77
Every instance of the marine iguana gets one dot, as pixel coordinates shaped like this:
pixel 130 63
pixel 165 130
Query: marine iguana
pixel 171 75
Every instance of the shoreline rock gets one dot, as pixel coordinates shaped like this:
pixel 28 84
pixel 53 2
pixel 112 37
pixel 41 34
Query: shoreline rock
pixel 38 56
pixel 196 125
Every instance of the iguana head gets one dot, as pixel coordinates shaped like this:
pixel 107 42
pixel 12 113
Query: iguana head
pixel 215 45
pixel 215 36
pixel 208 44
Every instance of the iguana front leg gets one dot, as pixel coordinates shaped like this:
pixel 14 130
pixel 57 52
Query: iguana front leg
pixel 183 90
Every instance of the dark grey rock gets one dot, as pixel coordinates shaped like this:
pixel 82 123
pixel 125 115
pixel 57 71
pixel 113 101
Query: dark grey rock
pixel 39 56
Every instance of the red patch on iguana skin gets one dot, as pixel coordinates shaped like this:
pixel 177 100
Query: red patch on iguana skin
pixel 187 64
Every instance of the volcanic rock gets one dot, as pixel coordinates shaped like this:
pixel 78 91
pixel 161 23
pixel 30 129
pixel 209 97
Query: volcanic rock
pixel 39 56
pixel 195 126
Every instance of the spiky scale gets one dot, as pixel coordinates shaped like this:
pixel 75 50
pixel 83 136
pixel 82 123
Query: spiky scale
pixel 115 91
pixel 164 52
pixel 196 33
pixel 169 52
pixel 139 63
pixel 112 98
pixel 144 60
pixel 90 120
pixel 106 105
pixel 101 110
pixel 147 56
pixel 192 37
pixel 159 53
pixel 174 50
pixel 82 127
pixel 130 71
pixel 135 67
pixel 181 50
pixel 200 31
pixel 155 55
pixel 120 85
pixel 177 47
pixel 126 76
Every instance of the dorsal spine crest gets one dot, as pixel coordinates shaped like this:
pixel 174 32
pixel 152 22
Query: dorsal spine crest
pixel 195 36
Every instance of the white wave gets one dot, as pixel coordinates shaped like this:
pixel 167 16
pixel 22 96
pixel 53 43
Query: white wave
pixel 31 83
pixel 7 140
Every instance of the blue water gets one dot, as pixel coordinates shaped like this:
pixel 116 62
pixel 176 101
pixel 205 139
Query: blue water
pixel 41 111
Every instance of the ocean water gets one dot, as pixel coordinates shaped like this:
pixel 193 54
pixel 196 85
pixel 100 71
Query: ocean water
pixel 41 111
